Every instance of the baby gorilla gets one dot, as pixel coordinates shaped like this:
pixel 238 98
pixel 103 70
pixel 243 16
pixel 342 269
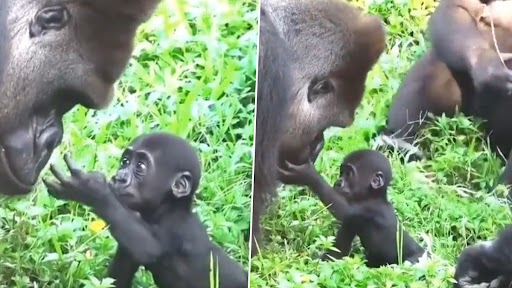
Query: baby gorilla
pixel 359 200
pixel 148 205
pixel 486 264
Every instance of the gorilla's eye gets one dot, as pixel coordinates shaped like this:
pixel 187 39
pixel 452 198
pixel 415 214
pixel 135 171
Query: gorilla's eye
pixel 141 166
pixel 340 183
pixel 323 87
pixel 125 162
pixel 52 18
pixel 319 87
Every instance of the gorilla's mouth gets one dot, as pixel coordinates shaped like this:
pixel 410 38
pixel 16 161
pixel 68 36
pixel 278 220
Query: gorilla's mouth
pixel 126 196
pixel 316 146
pixel 317 141
pixel 123 193
pixel 4 162
pixel 129 200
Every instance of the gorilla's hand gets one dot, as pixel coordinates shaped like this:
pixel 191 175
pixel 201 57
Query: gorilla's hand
pixel 90 188
pixel 490 73
pixel 303 175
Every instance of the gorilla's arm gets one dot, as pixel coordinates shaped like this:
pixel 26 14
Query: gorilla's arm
pixel 335 203
pixel 123 268
pixel 126 226
pixel 306 174
pixel 130 231
pixel 464 47
pixel 499 256
pixel 456 39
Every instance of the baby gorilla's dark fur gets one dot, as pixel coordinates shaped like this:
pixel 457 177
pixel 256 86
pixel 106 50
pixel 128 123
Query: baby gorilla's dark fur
pixel 486 264
pixel 148 205
pixel 359 200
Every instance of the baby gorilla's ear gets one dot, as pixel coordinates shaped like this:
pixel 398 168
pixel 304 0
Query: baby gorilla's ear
pixel 182 184
pixel 378 180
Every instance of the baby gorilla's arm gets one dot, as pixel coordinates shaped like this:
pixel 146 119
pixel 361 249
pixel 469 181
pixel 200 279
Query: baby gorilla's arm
pixel 131 232
pixel 306 174
pixel 126 226
pixel 123 268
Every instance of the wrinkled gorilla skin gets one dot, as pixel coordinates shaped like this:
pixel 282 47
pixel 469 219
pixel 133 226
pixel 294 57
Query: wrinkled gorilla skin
pixel 54 55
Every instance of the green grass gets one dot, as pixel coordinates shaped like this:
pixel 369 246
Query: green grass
pixel 447 199
pixel 192 74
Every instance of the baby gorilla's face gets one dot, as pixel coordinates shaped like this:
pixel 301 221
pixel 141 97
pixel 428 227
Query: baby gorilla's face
pixel 127 184
pixel 128 195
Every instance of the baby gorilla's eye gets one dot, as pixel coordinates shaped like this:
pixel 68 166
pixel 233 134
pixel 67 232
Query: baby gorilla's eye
pixel 340 183
pixel 141 165
pixel 125 161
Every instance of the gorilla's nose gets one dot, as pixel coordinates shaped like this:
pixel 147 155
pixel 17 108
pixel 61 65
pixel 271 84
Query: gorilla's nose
pixel 48 140
pixel 122 178
pixel 28 151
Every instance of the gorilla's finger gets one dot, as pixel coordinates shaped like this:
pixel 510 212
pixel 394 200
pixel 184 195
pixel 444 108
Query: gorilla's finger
pixel 73 168
pixel 54 189
pixel 283 172
pixel 58 174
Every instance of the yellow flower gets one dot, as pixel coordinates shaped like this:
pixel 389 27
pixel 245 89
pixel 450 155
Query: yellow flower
pixel 305 278
pixel 97 225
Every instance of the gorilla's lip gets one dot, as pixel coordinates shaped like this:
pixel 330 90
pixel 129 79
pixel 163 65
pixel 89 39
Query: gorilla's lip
pixel 121 192
pixel 9 173
pixel 128 200
pixel 126 195
pixel 315 143
pixel 319 138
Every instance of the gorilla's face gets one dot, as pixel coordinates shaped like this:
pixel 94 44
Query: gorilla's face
pixel 55 54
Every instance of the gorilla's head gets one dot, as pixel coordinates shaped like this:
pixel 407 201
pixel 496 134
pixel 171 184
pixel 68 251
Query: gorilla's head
pixel 55 54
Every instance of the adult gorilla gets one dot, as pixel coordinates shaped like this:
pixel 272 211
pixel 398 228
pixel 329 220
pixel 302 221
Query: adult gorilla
pixel 55 54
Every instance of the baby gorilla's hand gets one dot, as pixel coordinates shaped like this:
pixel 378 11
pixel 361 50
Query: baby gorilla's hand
pixel 90 189
pixel 301 175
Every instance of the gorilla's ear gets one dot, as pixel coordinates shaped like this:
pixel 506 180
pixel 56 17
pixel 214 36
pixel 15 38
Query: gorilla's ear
pixel 182 184
pixel 378 180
